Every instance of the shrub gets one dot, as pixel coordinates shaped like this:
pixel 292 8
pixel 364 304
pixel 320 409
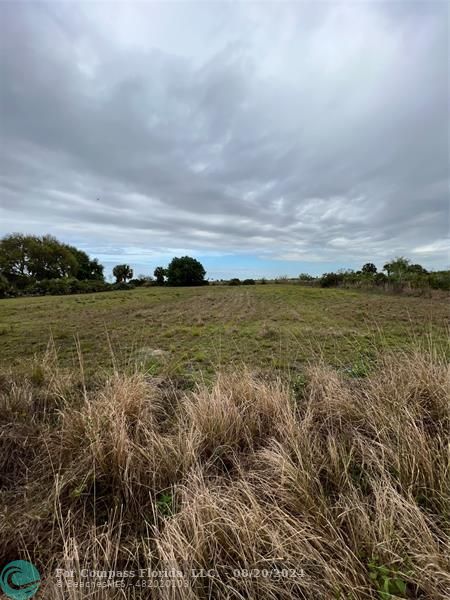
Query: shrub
pixel 248 282
pixel 282 279
pixel 439 280
pixel 380 279
pixel 331 279
pixel 89 286
pixel 306 277
pixel 122 286
pixel 55 287
pixel 142 281
pixel 69 285
pixel 5 287
pixel 234 281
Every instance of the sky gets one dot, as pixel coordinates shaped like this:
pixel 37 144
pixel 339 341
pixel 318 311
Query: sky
pixel 263 138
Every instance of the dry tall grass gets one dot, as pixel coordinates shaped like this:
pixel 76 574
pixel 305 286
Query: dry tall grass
pixel 337 491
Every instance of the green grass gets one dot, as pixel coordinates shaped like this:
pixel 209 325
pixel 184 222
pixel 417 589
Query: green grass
pixel 174 331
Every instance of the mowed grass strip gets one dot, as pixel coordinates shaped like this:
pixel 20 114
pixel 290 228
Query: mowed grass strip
pixel 184 331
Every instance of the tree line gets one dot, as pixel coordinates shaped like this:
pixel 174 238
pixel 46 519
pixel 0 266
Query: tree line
pixel 37 265
pixel 398 274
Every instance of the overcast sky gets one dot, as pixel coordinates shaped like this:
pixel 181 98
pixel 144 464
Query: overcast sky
pixel 264 138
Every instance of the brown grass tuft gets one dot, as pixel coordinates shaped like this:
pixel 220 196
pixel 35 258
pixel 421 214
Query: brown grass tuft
pixel 245 488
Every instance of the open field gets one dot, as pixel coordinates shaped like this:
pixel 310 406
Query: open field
pixel 182 331
pixel 315 468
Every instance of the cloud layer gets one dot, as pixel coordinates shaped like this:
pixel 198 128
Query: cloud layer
pixel 290 132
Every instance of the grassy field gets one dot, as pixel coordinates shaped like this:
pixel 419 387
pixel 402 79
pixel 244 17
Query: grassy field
pixel 333 490
pixel 329 484
pixel 182 331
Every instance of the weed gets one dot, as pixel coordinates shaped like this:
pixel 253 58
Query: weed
pixel 164 503
pixel 389 583
pixel 38 375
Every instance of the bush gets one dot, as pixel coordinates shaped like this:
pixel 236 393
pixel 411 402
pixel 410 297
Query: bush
pixel 401 276
pixel 331 279
pixel 5 287
pixel 380 279
pixel 122 286
pixel 439 280
pixel 234 281
pixel 70 285
pixel 142 281
pixel 56 287
pixel 248 282
pixel 282 279
pixel 89 286
pixel 22 282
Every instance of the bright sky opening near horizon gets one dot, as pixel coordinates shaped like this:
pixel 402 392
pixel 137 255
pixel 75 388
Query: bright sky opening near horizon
pixel 264 138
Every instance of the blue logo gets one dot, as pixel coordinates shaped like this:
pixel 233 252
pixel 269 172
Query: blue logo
pixel 20 580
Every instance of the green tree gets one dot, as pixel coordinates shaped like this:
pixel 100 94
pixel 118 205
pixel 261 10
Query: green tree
pixel 49 259
pixel 369 268
pixel 14 255
pixel 28 256
pixel 27 259
pixel 185 271
pixel 87 269
pixel 160 273
pixel 122 273
pixel 416 268
pixel 397 267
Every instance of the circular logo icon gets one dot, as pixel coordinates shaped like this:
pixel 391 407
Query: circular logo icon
pixel 20 580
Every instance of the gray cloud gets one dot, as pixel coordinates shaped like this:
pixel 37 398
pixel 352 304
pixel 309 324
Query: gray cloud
pixel 291 131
